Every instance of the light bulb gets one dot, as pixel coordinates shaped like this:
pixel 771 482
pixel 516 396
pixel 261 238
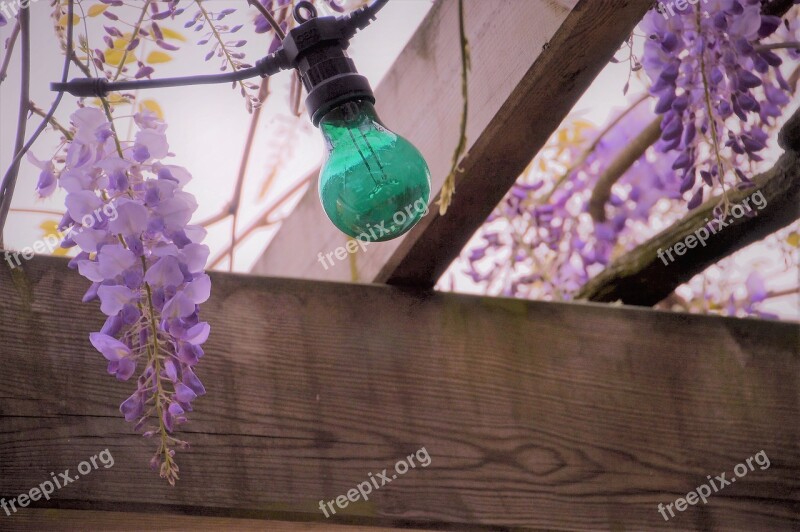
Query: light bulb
pixel 374 184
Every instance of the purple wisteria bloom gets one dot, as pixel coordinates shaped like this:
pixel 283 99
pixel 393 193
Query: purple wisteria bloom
pixel 130 218
pixel 718 90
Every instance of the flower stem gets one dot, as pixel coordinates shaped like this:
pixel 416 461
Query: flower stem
pixel 53 122
pixel 136 29
pixel 155 359
pixel 218 37
pixel 712 120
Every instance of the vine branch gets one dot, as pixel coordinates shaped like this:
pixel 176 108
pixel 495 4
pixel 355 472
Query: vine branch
pixel 777 46
pixel 135 33
pixel 218 37
pixel 626 158
pixel 263 219
pixel 449 186
pixel 52 120
pixel 10 179
pixel 593 146
pixel 12 39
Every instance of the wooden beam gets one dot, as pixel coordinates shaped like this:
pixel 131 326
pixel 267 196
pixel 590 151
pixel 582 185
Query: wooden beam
pixel 531 61
pixel 537 415
pixel 54 520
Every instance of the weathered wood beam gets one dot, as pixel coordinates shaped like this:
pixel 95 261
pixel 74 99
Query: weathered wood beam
pixel 537 415
pixel 531 61
pixel 646 275
pixel 53 520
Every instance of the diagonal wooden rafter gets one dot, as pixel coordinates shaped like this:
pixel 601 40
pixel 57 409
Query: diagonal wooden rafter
pixel 531 61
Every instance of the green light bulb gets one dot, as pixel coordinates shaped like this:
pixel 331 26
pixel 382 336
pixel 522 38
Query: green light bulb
pixel 373 182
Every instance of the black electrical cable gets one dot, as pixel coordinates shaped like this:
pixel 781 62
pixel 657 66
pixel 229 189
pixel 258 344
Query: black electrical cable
pixel 10 177
pixel 85 87
pixel 376 6
pixel 273 63
pixel 361 18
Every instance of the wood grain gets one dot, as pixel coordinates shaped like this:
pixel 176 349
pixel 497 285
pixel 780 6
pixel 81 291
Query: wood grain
pixel 535 415
pixel 531 61
pixel 53 520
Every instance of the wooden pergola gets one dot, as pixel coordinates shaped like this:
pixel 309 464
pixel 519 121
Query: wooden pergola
pixel 535 415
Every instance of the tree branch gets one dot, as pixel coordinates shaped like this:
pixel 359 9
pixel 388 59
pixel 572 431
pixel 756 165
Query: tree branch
pixel 640 277
pixel 776 46
pixel 235 205
pixel 232 208
pixel 9 49
pixel 632 153
pixel 794 77
pixel 10 179
pixel 593 146
pixel 51 120
pixel 264 219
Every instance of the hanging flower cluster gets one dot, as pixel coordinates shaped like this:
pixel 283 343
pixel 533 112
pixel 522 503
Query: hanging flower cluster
pixel 718 88
pixel 128 214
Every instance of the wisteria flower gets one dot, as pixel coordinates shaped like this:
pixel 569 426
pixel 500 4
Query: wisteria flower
pixel 130 218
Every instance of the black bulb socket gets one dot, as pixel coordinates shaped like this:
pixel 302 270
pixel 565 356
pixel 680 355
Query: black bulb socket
pixel 317 48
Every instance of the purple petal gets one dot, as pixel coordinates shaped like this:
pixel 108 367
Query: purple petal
pixel 82 203
pixel 90 270
pixel 109 347
pixel 133 407
pixel 199 290
pixel 184 394
pixel 165 272
pixel 170 370
pixel 195 256
pixel 191 380
pixel 115 259
pixel 88 239
pixel 179 306
pixel 198 334
pixel 114 298
pixel 125 369
pixel 131 218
